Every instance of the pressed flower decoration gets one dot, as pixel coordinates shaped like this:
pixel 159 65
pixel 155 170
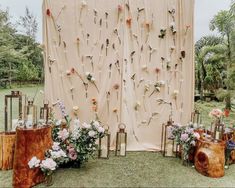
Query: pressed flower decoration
pixel 137 105
pixel 48 12
pixel 162 33
pixel 128 22
pixel 91 79
pixel 116 88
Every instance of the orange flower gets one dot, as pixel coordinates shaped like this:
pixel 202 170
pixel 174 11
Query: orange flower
pixel 116 86
pixel 48 12
pixel 72 70
pixel 128 22
pixel 93 100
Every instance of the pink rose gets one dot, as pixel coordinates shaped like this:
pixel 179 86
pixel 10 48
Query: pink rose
pixel 72 154
pixel 196 135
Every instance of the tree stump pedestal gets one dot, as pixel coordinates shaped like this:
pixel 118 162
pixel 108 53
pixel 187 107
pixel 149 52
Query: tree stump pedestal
pixel 210 158
pixel 30 143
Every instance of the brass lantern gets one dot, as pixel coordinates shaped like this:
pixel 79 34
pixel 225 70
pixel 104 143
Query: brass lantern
pixel 45 112
pixel 196 117
pixel 13 109
pixel 121 140
pixel 218 131
pixel 104 145
pixel 30 113
pixel 168 146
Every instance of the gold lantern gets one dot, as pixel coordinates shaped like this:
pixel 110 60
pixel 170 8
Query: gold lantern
pixel 104 145
pixel 121 140
pixel 168 146
pixel 45 112
pixel 13 109
pixel 218 130
pixel 196 117
pixel 30 113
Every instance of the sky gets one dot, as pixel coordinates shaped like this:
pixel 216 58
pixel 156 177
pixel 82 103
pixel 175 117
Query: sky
pixel 204 12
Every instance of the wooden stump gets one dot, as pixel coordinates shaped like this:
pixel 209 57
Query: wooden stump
pixel 30 143
pixel 210 158
pixel 7 145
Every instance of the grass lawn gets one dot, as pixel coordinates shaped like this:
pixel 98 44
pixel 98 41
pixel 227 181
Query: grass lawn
pixel 137 169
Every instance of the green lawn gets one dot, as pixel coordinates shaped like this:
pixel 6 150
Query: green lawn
pixel 137 169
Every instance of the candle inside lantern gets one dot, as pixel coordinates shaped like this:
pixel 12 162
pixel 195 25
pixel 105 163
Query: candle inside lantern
pixel 217 135
pixel 14 124
pixel 169 149
pixel 122 149
pixel 104 152
pixel 30 117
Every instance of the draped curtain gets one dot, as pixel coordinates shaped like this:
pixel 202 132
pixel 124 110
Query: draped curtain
pixel 123 61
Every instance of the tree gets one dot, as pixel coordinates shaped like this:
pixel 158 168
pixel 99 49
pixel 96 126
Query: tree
pixel 29 24
pixel 223 22
pixel 205 52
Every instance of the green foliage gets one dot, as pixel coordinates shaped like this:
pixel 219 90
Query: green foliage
pixel 20 55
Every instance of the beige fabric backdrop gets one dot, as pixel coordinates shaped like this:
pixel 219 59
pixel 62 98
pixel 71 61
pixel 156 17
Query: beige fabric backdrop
pixel 73 34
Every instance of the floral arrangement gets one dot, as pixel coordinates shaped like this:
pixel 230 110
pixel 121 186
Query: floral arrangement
pixel 79 144
pixel 185 137
pixel 70 148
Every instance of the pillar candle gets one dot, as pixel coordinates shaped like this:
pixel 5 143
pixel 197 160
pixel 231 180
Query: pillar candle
pixel 123 149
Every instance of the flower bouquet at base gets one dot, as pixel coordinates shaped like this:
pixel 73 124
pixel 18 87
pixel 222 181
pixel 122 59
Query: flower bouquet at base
pixel 186 138
pixel 47 166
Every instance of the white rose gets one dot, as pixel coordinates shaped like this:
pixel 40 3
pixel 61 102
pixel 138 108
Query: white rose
pixel 101 130
pixel 91 133
pixel 96 124
pixel 48 164
pixel 86 126
pixel 56 146
pixel 34 162
pixel 93 79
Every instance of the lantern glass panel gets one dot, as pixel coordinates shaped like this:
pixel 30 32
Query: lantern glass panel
pixel 168 145
pixel 13 110
pixel 30 113
pixel 219 131
pixel 45 112
pixel 121 143
pixel 104 146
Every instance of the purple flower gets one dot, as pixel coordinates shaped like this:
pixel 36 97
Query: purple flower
pixel 184 137
pixel 62 109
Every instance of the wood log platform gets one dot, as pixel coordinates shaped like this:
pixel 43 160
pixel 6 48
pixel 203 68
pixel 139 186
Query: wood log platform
pixel 29 143
pixel 210 158
pixel 7 146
